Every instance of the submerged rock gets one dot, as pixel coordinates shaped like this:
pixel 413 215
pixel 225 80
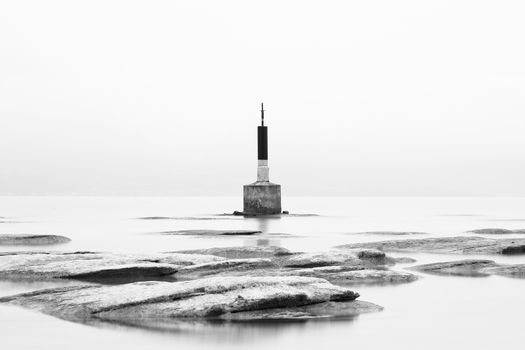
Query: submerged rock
pixel 241 252
pixel 516 271
pixel 391 233
pixel 212 232
pixel 28 239
pixel 496 231
pixel 473 268
pixel 146 304
pixel 449 245
pixel 469 267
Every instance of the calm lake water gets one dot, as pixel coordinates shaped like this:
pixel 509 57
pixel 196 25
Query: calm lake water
pixel 431 313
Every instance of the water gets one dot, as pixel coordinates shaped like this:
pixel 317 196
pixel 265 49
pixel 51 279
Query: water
pixel 434 312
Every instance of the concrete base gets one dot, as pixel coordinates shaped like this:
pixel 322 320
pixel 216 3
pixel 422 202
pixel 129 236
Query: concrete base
pixel 262 198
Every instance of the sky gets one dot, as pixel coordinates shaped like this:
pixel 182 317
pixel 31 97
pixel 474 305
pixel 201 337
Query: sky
pixel 362 98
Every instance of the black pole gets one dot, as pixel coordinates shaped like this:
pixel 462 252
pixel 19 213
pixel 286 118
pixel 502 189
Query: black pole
pixel 262 138
pixel 262 114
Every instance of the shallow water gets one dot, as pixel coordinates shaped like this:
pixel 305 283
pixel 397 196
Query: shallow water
pixel 434 312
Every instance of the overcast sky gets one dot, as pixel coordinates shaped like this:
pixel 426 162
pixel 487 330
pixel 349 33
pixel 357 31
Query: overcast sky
pixel 365 98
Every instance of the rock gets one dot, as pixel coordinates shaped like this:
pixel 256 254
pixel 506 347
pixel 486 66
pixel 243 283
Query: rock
pixel 449 245
pixel 27 239
pixel 391 233
pixel 356 257
pixel 354 272
pixel 327 310
pixel 318 259
pixel 516 271
pixel 496 231
pixel 473 268
pixel 147 304
pixel 94 266
pixel 241 252
pixel 469 267
pixel 212 232
pixel 226 268
pixel 345 275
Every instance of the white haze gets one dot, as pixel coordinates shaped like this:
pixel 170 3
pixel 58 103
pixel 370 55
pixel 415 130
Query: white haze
pixel 380 98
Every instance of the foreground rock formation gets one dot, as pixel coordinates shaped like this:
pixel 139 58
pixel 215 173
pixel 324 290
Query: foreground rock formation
pixel 226 298
pixel 449 245
pixel 473 267
pixel 27 239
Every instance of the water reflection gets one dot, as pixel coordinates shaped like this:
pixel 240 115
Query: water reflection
pixel 221 331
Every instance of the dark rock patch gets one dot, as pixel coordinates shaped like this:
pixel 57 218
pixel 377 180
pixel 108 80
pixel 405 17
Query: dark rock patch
pixel 473 268
pixel 496 231
pixel 185 218
pixel 212 232
pixel 28 239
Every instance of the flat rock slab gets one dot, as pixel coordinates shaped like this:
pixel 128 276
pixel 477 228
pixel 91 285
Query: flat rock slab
pixel 90 265
pixel 348 270
pixel 355 257
pixel 473 268
pixel 28 239
pixel 241 252
pixel 212 232
pixel 496 231
pixel 448 245
pixel 147 304
pixel 350 275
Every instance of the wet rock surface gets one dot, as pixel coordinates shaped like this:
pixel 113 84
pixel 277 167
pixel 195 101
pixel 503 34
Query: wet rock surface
pixel 91 265
pixel 212 232
pixel 226 298
pixel 30 239
pixel 473 268
pixel 241 252
pixel 449 245
pixel 496 231
pixel 341 267
pixel 327 310
pixel 360 266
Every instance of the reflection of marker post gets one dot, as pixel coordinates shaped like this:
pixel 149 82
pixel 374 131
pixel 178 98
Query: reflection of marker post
pixel 263 172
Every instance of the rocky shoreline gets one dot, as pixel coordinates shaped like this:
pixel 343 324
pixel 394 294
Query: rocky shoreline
pixel 234 284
